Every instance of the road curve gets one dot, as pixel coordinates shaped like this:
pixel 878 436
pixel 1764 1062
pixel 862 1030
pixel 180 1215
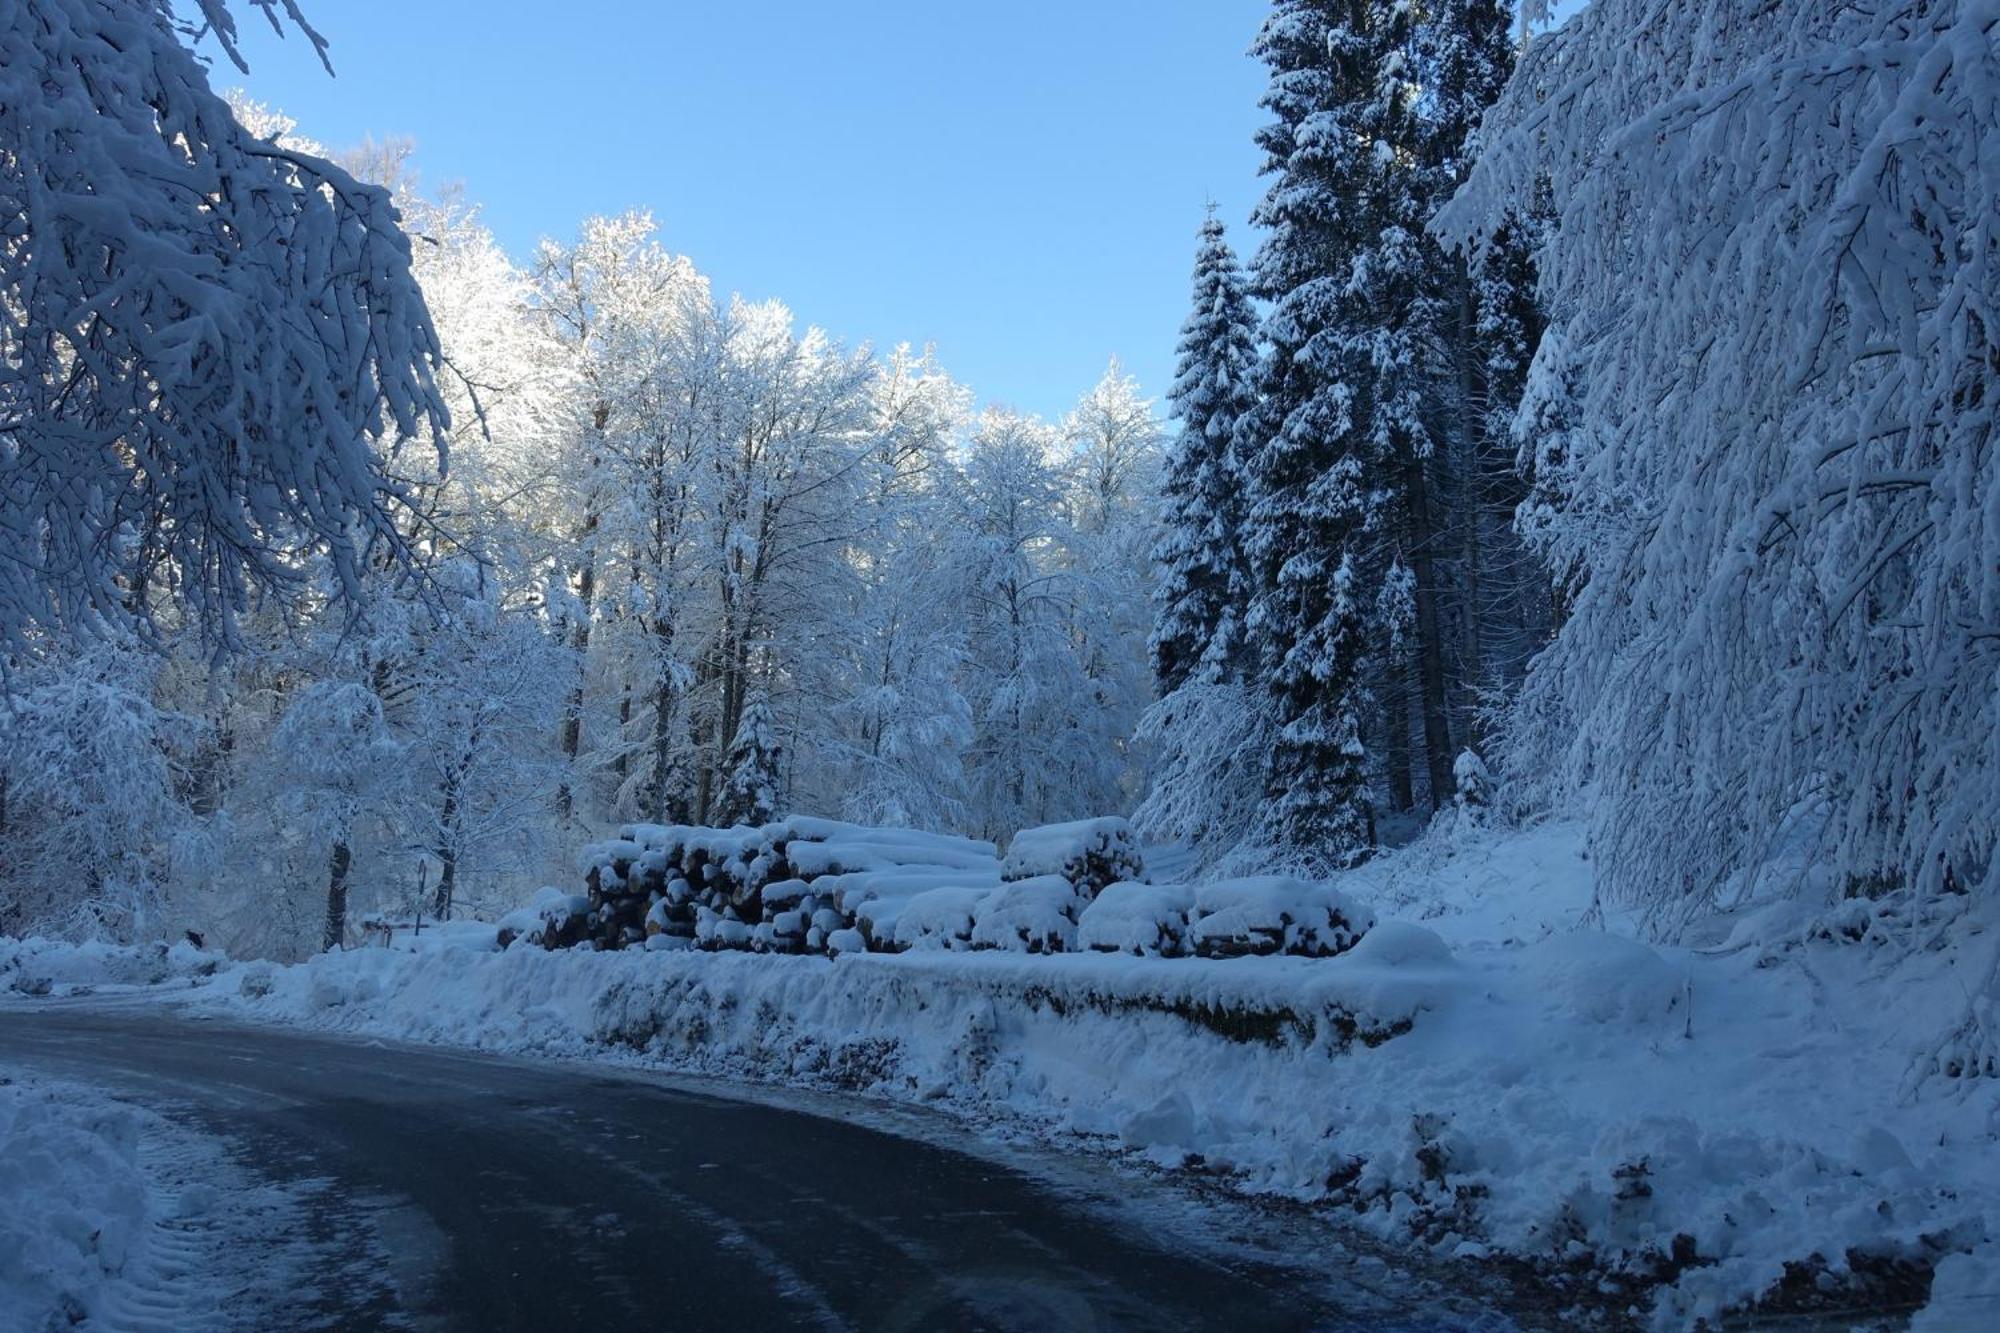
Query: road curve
pixel 546 1196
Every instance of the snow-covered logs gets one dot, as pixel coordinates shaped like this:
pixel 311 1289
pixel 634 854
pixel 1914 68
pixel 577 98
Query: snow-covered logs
pixel 803 885
pixel 1089 853
pixel 1230 918
pixel 786 887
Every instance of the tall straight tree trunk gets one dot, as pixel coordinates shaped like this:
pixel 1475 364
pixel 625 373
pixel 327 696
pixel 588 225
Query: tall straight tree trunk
pixel 621 766
pixel 702 732
pixel 1438 753
pixel 447 848
pixel 336 896
pixel 1471 450
pixel 1396 731
pixel 665 697
pixel 586 594
pixel 579 642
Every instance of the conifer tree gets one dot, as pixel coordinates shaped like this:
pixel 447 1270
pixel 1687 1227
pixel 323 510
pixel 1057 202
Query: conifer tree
pixel 1203 580
pixel 1389 325
pixel 749 791
pixel 1305 460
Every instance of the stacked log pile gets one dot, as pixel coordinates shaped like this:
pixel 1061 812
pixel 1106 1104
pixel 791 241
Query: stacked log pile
pixel 785 887
pixel 817 886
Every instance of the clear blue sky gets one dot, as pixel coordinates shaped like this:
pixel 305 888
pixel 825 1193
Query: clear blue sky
pixel 1019 183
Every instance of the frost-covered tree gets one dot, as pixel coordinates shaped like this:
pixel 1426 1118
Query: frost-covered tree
pixel 90 811
pixel 333 764
pixel 1115 444
pixel 1203 585
pixel 1035 754
pixel 1774 290
pixel 209 343
pixel 894 753
pixel 1209 741
pixel 1373 447
pixel 781 497
pixel 612 303
pixel 468 692
pixel 1207 733
pixel 1492 597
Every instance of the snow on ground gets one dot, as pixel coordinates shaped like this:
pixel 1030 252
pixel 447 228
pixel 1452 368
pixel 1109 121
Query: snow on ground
pixel 113 1217
pixel 1494 1070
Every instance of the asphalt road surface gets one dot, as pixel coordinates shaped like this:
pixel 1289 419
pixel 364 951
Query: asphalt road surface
pixel 509 1194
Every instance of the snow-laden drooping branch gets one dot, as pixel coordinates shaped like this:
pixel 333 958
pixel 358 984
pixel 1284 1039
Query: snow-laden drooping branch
pixel 207 340
pixel 1777 292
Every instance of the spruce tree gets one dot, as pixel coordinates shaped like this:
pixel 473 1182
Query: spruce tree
pixel 1391 322
pixel 1311 472
pixel 1203 580
pixel 752 770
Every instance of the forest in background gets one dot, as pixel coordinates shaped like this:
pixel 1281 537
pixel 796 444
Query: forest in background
pixel 1512 473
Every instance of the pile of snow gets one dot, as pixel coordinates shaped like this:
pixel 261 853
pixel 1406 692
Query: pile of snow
pixel 113 1217
pixel 1030 915
pixel 73 1201
pixel 1090 853
pixel 795 885
pixel 1230 918
pixel 37 967
pixel 938 918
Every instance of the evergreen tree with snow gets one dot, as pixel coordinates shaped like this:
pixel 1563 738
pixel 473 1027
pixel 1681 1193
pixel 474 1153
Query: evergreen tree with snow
pixel 1313 473
pixel 750 789
pixel 1202 577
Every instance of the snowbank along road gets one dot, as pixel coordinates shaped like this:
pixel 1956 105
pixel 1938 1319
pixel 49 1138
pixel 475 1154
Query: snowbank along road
pixel 456 1191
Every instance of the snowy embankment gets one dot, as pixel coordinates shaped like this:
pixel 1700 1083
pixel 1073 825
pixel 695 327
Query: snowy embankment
pixel 1679 1132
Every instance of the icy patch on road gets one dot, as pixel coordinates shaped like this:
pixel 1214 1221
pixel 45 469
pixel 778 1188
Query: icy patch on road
pixel 115 1217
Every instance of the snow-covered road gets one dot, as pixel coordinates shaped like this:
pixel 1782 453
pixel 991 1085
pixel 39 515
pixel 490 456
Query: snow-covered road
pixel 454 1190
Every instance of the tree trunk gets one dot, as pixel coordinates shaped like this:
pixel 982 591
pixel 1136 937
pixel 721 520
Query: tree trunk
pixel 1438 755
pixel 447 850
pixel 664 701
pixel 586 594
pixel 1396 732
pixel 336 897
pixel 1472 451
pixel 621 766
pixel 572 727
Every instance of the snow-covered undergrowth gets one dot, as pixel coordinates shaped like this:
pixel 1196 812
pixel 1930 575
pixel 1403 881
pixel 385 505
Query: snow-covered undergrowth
pixel 1680 1131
